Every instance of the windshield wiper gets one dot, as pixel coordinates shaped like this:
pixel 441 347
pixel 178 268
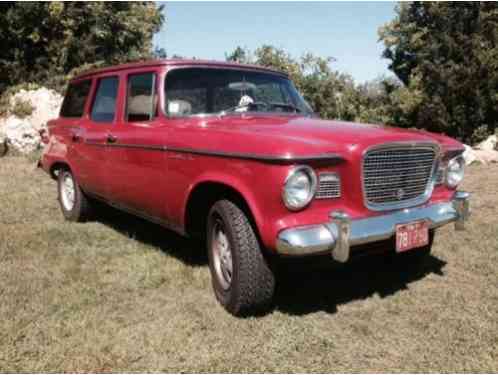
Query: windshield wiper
pixel 285 105
pixel 235 108
pixel 255 105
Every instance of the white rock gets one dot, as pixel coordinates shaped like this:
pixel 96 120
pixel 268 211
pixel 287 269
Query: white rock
pixel 23 134
pixel 489 144
pixel 487 156
pixel 469 155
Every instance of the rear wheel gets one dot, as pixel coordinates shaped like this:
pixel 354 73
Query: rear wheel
pixel 75 206
pixel 242 279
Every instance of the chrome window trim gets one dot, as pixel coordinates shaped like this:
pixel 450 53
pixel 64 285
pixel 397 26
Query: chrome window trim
pixel 408 203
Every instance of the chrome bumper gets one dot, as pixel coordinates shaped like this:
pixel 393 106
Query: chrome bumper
pixel 341 232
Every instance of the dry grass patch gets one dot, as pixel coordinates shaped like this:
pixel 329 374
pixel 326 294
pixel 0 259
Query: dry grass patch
pixel 120 294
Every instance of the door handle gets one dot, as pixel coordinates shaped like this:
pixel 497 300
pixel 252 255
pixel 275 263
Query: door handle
pixel 111 138
pixel 75 138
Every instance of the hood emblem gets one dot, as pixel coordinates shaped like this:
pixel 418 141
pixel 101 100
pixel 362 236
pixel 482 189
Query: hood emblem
pixel 400 193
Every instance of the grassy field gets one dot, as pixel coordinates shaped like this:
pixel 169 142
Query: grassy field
pixel 119 294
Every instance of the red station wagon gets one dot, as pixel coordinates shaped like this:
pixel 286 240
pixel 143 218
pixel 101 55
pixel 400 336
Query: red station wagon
pixel 232 154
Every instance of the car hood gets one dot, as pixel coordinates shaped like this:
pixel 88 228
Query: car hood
pixel 295 135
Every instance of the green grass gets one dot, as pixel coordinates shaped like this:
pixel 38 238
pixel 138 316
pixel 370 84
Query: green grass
pixel 122 295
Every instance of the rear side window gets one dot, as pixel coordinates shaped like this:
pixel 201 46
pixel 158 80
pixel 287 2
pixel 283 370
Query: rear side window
pixel 104 104
pixel 74 101
pixel 140 102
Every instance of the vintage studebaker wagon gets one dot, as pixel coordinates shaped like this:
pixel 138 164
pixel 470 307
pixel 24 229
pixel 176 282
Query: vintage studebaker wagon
pixel 232 154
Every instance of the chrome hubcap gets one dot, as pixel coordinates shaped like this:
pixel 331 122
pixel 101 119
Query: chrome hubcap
pixel 68 192
pixel 222 255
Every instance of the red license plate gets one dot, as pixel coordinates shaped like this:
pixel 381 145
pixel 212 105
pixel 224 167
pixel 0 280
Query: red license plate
pixel 412 235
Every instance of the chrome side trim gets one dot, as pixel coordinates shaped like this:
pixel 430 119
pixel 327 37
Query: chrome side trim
pixel 235 155
pixel 340 233
pixel 260 157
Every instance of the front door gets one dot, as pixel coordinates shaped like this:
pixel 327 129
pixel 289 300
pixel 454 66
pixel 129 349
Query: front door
pixel 137 161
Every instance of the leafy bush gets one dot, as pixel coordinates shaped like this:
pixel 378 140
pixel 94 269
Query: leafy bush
pixel 22 108
pixel 5 99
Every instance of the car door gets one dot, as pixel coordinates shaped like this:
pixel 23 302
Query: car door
pixel 96 134
pixel 137 157
pixel 73 111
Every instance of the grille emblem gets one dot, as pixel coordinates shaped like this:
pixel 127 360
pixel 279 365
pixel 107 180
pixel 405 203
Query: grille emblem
pixel 400 193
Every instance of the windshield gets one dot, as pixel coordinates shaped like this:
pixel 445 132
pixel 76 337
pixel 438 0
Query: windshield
pixel 196 91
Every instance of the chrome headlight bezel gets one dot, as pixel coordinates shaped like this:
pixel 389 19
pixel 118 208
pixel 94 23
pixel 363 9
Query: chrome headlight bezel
pixel 454 172
pixel 300 171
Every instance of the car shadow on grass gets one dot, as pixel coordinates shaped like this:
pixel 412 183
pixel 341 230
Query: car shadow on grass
pixel 186 250
pixel 312 289
pixel 303 285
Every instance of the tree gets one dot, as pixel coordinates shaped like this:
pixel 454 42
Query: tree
pixel 41 41
pixel 446 55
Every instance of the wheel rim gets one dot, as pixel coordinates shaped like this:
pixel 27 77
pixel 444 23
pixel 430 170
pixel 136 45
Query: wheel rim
pixel 68 191
pixel 222 255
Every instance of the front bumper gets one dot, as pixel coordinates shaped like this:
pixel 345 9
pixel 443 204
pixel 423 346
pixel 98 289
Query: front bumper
pixel 341 232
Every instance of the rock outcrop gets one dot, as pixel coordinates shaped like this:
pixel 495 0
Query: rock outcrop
pixel 485 152
pixel 23 133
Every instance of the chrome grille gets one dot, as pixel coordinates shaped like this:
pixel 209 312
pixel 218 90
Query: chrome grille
pixel 329 186
pixel 398 176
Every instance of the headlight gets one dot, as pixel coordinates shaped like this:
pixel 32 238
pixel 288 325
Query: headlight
pixel 455 171
pixel 299 188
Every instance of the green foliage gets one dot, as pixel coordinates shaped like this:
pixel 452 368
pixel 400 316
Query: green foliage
pixel 446 54
pixel 445 57
pixel 44 42
pixel 480 134
pixel 6 97
pixel 331 94
pixel 22 108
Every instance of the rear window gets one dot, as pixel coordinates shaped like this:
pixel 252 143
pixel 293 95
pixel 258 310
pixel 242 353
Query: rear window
pixel 104 105
pixel 141 104
pixel 74 101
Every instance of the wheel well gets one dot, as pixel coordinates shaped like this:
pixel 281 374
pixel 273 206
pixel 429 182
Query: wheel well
pixel 56 167
pixel 201 200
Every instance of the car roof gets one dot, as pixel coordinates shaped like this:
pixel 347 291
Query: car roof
pixel 175 62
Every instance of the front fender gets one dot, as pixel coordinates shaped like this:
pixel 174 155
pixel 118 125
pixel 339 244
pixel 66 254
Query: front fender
pixel 234 182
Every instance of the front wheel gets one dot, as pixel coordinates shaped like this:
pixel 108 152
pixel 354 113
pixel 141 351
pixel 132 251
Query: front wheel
pixel 75 206
pixel 242 279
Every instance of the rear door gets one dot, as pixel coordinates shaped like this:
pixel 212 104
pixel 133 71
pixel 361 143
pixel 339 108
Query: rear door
pixel 72 116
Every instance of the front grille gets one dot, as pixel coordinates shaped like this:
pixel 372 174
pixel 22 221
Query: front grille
pixel 397 176
pixel 329 186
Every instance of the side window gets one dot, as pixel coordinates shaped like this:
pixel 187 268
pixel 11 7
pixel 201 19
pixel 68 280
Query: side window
pixel 104 104
pixel 140 102
pixel 74 101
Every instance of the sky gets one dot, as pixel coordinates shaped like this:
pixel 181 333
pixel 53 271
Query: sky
pixel 346 31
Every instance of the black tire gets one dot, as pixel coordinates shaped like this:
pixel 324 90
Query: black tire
pixel 81 209
pixel 252 281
